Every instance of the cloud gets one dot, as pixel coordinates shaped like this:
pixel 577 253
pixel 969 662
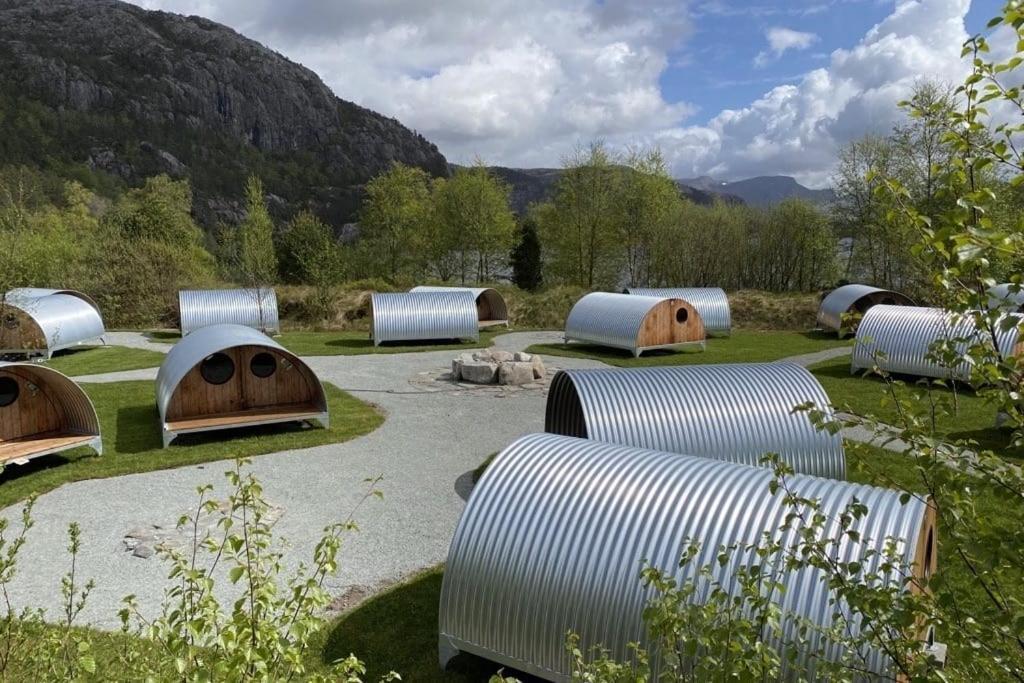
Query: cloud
pixel 521 82
pixel 781 39
pixel 797 129
pixel 512 81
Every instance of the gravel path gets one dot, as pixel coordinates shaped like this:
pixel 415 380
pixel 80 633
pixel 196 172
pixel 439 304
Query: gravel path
pixel 808 359
pixel 425 450
pixel 135 340
pixel 431 441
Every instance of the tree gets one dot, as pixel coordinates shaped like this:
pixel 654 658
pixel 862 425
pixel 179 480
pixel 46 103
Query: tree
pixel 317 258
pixel 649 199
pixel 255 261
pixel 579 227
pixel 394 222
pixel 474 220
pixel 526 257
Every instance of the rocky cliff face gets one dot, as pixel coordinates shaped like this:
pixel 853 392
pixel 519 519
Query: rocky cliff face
pixel 151 91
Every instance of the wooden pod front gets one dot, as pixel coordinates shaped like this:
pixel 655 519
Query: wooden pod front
pixel 19 332
pixel 228 376
pixel 634 323
pixel 43 412
pixel 671 322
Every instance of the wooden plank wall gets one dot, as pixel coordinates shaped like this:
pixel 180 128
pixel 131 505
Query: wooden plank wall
pixel 661 327
pixel 18 330
pixel 244 391
pixel 33 412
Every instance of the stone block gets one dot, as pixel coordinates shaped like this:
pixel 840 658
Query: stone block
pixel 512 372
pixel 479 372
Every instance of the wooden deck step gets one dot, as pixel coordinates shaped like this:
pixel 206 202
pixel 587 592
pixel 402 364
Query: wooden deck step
pixel 305 411
pixel 38 444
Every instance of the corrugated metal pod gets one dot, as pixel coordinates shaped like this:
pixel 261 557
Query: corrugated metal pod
pixel 43 412
pixel 36 292
pixel 1003 297
pixel 898 339
pixel 421 316
pixel 711 302
pixel 554 535
pixel 852 300
pixel 43 325
pixel 229 376
pixel 255 308
pixel 728 412
pixel 634 323
pixel 491 309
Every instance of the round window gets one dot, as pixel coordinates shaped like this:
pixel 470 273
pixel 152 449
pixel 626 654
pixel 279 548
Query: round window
pixel 263 365
pixel 681 315
pixel 217 368
pixel 11 321
pixel 8 391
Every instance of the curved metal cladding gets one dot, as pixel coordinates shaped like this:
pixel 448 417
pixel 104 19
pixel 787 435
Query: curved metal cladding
pixel 609 319
pixel 727 412
pixel 490 302
pixel 846 299
pixel 205 341
pixel 75 406
pixel 904 334
pixel 36 292
pixel 414 316
pixel 712 303
pixel 255 308
pixel 64 320
pixel 1001 296
pixel 555 533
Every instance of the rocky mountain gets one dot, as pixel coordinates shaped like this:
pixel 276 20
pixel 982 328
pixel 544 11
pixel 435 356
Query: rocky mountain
pixel 105 87
pixel 761 190
pixel 532 185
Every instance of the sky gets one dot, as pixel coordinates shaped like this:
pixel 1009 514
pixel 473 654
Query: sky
pixel 727 88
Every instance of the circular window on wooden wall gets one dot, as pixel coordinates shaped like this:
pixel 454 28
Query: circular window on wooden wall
pixel 11 322
pixel 217 368
pixel 263 365
pixel 681 315
pixel 8 391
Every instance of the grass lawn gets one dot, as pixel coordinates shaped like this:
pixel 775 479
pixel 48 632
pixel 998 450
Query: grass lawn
pixel 131 440
pixel 397 631
pixel 350 343
pixel 743 346
pixel 974 417
pixel 94 360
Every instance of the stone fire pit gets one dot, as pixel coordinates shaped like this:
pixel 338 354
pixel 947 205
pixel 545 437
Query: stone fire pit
pixel 497 367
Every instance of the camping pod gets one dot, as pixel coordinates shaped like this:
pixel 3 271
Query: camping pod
pixel 634 323
pixel 36 292
pixel 899 339
pixel 43 412
pixel 42 325
pixel 255 308
pixel 229 376
pixel 736 412
pixel 712 303
pixel 491 309
pixel 424 316
pixel 555 533
pixel 842 308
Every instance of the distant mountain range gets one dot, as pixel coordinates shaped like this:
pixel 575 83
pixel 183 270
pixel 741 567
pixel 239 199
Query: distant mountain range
pixel 532 185
pixel 763 190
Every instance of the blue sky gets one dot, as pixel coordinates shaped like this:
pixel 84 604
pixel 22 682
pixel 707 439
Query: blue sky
pixel 714 69
pixel 727 88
